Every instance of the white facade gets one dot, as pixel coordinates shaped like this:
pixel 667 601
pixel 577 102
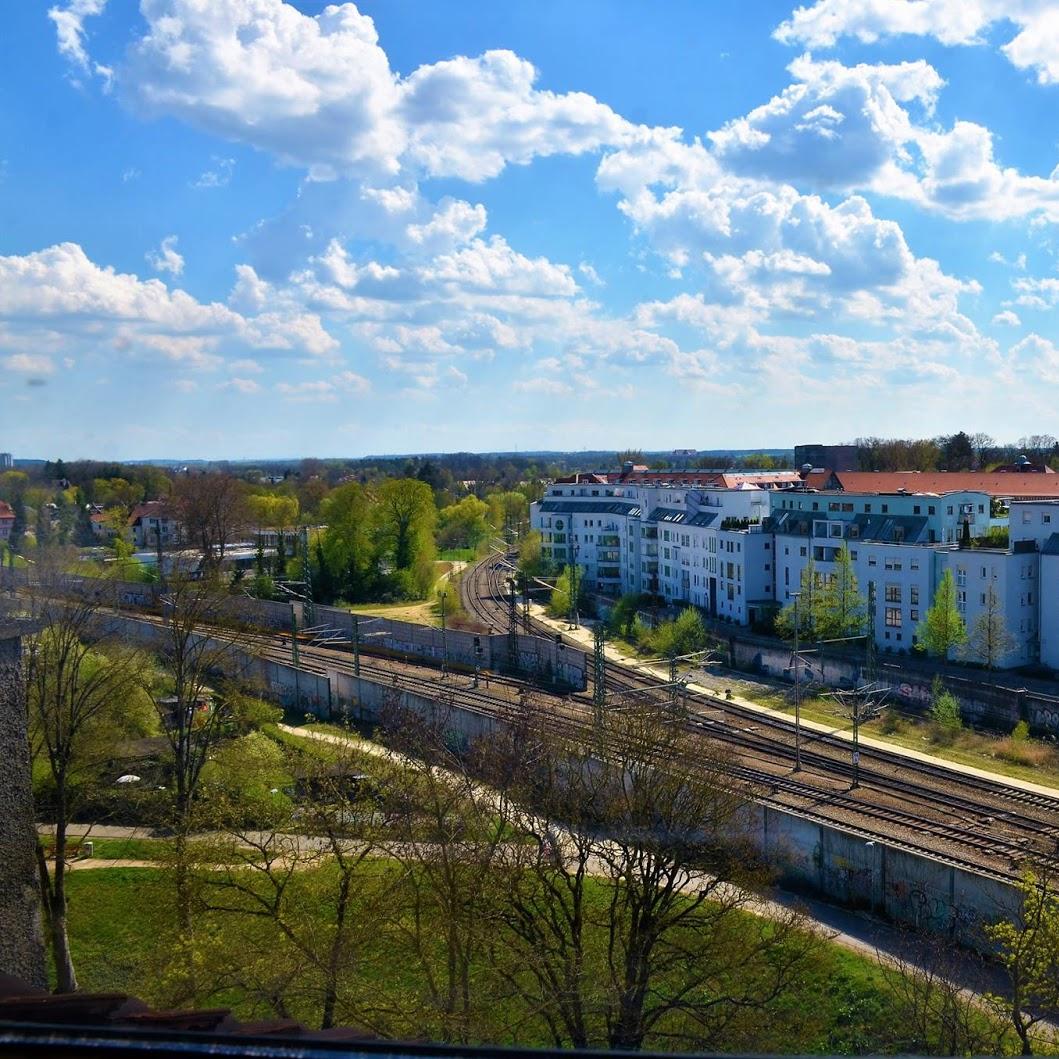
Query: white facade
pixel 739 553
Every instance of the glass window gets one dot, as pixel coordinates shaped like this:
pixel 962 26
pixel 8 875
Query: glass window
pixel 893 617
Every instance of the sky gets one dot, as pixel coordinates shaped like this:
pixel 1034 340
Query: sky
pixel 238 229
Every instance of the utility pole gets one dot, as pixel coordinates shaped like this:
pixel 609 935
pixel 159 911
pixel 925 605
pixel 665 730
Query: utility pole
pixel 444 641
pixel 307 576
pixel 797 693
pixel 572 566
pixel 599 675
pixel 356 646
pixel 294 653
pixel 512 627
pixel 673 693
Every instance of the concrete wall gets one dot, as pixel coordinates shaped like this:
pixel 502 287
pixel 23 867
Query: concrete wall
pixel 894 883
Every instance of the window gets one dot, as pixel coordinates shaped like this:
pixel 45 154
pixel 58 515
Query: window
pixel 886 509
pixel 893 593
pixel 913 594
pixel 853 556
pixel 931 510
pixel 1046 518
pixel 893 617
pixel 913 614
pixel 915 509
pixel 950 509
pixel 867 509
pixel 834 506
pixel 872 561
pixel 847 507
pixel 981 598
pixel 802 551
pixel 913 564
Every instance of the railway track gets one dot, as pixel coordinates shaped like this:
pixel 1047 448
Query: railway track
pixel 898 795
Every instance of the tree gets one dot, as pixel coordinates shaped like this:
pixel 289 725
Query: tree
pixel 838 608
pixel 989 639
pixel 806 608
pixel 957 452
pixel 405 517
pixel 348 545
pixel 656 950
pixel 82 699
pixel 1029 952
pixel 943 628
pixel 559 604
pixel 84 535
pixel 944 710
pixel 212 509
pixel 463 524
pixel 18 527
pixel 198 640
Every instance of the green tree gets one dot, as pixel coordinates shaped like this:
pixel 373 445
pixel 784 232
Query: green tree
pixel 806 607
pixel 1028 948
pixel 685 634
pixel 348 545
pixel 84 535
pixel 943 628
pixel 405 515
pixel 989 639
pixel 838 608
pixel 559 604
pixel 463 524
pixel 944 709
pixel 18 527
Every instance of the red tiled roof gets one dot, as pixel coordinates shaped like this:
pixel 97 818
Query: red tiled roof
pixel 6 511
pixel 148 509
pixel 995 483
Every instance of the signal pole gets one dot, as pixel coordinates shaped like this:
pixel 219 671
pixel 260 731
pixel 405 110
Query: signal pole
pixel 599 676
pixel 797 693
pixel 307 576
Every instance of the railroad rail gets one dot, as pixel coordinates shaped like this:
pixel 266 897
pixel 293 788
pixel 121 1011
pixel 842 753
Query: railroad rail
pixel 897 795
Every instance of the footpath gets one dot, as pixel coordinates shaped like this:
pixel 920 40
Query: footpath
pixel 584 638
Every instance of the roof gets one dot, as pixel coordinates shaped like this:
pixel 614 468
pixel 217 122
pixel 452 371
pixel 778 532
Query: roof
pixel 149 509
pixel 885 529
pixel 995 483
pixel 1051 545
pixel 668 514
pixel 6 511
pixel 590 507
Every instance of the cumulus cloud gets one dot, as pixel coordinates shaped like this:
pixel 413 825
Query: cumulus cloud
pixel 952 22
pixel 346 383
pixel 318 92
pixel 1007 318
pixel 60 291
pixel 494 266
pixel 166 258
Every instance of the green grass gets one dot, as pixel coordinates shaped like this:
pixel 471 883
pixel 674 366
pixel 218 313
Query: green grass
pixel 127 848
pixel 465 555
pixel 120 919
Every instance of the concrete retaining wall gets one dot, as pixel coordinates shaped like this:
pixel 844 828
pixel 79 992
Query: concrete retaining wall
pixel 823 859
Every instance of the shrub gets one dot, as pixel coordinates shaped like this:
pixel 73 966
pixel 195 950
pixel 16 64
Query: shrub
pixel 1021 732
pixel 944 712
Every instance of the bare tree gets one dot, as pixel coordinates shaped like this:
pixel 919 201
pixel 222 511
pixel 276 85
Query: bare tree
pixel 82 691
pixel 446 839
pixel 988 639
pixel 941 999
pixel 212 509
pixel 627 914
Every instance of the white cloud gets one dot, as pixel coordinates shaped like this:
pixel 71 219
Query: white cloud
pixel 590 274
pixel 1007 318
pixel 242 385
pixel 61 292
pixel 952 22
pixel 318 92
pixel 327 390
pixel 29 364
pixel 69 21
pixel 220 176
pixel 1037 355
pixel 166 258
pixel 455 223
pixel 495 266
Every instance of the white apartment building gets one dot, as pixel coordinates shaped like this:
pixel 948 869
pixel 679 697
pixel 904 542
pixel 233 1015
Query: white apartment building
pixel 738 554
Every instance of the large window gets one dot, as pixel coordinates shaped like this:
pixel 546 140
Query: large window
pixel 893 593
pixel 893 617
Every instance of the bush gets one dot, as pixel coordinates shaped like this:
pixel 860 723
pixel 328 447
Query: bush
pixel 1021 732
pixel 944 712
pixel 685 634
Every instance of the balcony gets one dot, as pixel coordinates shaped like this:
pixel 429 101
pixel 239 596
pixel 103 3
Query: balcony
pixel 609 540
pixel 649 549
pixel 613 556
pixel 649 533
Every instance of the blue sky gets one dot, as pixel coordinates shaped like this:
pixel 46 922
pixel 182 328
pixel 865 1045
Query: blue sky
pixel 249 228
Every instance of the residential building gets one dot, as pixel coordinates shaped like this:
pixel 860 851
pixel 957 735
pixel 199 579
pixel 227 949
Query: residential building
pixel 7 461
pixel 7 520
pixel 151 523
pixel 737 550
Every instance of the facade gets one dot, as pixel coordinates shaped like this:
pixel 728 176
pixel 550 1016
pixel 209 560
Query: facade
pixel 6 461
pixel 7 520
pixel 152 524
pixel 738 553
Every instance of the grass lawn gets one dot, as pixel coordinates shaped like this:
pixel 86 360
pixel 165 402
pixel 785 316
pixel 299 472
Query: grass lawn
pixel 126 848
pixel 119 921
